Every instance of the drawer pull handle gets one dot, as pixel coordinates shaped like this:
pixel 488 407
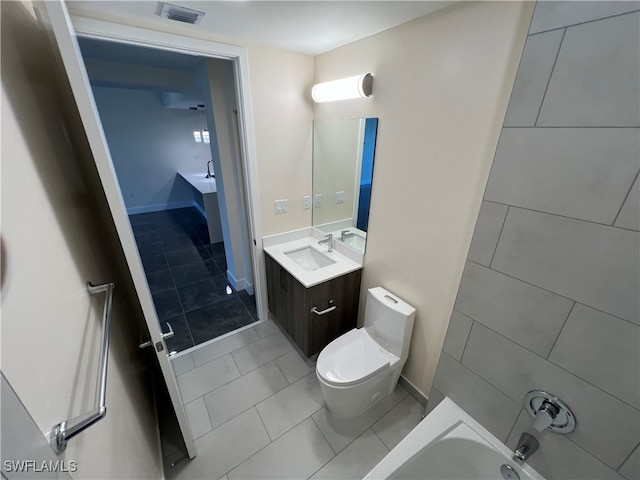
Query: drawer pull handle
pixel 326 310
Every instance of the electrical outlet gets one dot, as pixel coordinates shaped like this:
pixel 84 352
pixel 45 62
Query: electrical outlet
pixel 339 197
pixel 317 200
pixel 306 202
pixel 281 206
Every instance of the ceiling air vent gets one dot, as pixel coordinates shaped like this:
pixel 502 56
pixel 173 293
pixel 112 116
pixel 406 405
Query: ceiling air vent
pixel 181 14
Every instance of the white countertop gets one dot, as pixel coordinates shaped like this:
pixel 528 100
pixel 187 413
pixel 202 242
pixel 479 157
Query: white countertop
pixel 198 180
pixel 343 264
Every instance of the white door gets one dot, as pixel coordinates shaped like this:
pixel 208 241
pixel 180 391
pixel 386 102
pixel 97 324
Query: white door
pixel 55 16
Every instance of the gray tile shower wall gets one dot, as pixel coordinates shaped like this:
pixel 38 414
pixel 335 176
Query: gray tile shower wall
pixel 549 298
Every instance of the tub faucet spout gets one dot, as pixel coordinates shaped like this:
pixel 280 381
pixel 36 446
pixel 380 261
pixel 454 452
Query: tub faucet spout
pixel 527 445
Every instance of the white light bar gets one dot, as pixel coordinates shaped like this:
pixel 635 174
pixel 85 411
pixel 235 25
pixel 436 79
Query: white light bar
pixel 358 86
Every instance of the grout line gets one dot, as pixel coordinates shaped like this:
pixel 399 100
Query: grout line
pixel 466 342
pixel 281 371
pixel 504 221
pixel 520 280
pixel 560 331
pixel 555 293
pixel 628 457
pixel 492 385
pixel 515 422
pixel 625 198
pixel 519 207
pixel 544 95
pixel 575 127
pixel 376 434
pixel 583 23
pixel 608 394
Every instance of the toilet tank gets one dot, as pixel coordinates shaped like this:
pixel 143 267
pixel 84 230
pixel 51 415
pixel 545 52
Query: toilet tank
pixel 389 321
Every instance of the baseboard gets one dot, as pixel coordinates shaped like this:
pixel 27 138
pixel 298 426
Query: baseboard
pixel 163 206
pixel 413 391
pixel 237 283
pixel 200 209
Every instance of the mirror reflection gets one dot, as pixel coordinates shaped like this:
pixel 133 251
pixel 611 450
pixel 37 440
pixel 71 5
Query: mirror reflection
pixel 343 158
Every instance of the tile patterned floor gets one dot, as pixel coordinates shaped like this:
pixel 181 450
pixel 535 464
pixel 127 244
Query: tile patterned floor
pixel 187 277
pixel 256 409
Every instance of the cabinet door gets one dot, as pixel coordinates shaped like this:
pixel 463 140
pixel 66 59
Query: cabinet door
pixel 275 292
pixel 343 293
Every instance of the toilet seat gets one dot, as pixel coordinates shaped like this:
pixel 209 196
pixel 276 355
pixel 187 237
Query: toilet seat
pixel 353 358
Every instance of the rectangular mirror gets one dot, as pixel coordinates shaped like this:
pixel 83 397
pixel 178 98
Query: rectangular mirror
pixel 343 158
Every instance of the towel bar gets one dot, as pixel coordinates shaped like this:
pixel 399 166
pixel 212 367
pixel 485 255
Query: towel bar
pixel 66 430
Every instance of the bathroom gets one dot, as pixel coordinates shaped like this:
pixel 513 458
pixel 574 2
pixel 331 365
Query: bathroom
pixel 467 77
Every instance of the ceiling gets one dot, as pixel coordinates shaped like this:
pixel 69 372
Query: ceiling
pixel 304 26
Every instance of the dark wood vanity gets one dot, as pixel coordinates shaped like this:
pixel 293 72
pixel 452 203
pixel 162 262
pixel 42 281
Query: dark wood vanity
pixel 291 305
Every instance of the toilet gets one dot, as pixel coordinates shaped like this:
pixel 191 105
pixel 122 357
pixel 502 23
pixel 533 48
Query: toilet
pixel 361 367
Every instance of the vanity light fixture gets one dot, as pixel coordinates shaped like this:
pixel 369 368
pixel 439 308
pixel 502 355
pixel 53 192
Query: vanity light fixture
pixel 205 136
pixel 196 136
pixel 358 86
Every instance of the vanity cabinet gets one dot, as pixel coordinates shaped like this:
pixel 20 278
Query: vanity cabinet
pixel 290 304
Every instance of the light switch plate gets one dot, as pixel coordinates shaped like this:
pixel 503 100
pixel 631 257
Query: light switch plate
pixel 317 200
pixel 306 202
pixel 281 206
pixel 339 197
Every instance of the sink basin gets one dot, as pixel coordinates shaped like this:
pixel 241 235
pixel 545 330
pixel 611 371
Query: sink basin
pixel 309 259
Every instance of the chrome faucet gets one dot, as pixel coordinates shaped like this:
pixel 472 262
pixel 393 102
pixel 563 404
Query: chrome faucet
pixel 527 445
pixel 327 239
pixel 346 234
pixel 209 174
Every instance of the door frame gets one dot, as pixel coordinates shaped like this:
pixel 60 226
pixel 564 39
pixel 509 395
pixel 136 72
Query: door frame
pixel 102 30
pixel 65 29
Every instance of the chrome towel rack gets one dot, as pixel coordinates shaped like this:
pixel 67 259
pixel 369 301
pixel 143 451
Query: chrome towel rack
pixel 66 430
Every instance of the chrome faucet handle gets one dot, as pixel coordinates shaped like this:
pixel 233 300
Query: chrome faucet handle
pixel 527 445
pixel 328 239
pixel 545 416
pixel 346 234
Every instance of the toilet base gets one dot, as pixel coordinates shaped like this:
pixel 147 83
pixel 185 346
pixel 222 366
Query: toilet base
pixel 348 402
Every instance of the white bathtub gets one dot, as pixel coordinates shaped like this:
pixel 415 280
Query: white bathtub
pixel 449 444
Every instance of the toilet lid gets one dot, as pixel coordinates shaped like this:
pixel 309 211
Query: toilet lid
pixel 352 358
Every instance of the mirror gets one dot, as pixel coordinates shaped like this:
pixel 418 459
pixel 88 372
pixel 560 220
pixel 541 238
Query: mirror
pixel 343 157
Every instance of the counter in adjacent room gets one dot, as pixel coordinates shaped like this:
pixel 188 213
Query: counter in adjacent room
pixel 206 197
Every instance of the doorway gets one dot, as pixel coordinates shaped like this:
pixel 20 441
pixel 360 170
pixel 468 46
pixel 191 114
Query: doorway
pixel 182 183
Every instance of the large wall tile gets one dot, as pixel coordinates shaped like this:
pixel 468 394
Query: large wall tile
pixel 457 334
pixel 536 65
pixel 582 173
pixel 559 457
pixel 603 350
pixel 593 264
pixel 596 80
pixel 556 14
pixel 485 236
pixel 484 402
pixel 630 214
pixel 606 427
pixel 631 468
pixel 526 314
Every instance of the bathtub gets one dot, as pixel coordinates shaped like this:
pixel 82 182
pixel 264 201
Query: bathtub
pixel 449 444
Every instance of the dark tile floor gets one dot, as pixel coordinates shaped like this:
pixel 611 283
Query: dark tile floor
pixel 187 277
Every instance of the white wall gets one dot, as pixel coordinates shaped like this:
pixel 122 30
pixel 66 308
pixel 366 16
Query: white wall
pixel 54 240
pixel 441 87
pixel 149 144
